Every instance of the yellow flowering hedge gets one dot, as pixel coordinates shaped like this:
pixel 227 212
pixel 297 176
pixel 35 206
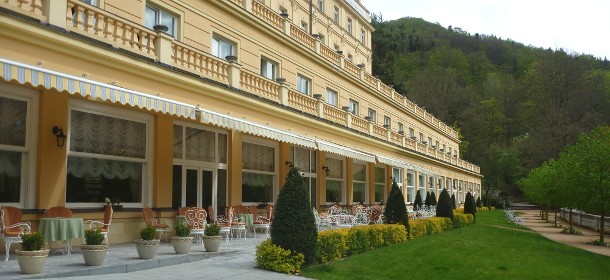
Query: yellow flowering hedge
pixel 462 220
pixel 272 257
pixel 429 226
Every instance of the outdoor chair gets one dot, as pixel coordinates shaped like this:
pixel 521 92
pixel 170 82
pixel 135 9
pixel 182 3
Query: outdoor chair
pixel 160 226
pixel 58 212
pixel 11 227
pixel 264 222
pixel 225 223
pixel 195 220
pixel 322 221
pixel 104 226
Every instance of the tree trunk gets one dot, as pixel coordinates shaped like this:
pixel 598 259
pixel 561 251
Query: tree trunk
pixel 601 227
pixel 555 211
pixel 570 220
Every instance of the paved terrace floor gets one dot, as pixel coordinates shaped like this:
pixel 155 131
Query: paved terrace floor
pixel 235 260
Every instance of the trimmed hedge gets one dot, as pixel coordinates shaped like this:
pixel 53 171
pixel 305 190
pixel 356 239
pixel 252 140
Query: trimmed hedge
pixel 272 257
pixel 462 220
pixel 429 226
pixel 483 209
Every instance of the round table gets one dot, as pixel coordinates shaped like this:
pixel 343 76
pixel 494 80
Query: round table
pixel 62 229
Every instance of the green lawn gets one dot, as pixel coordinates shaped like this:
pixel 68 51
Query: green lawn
pixel 479 251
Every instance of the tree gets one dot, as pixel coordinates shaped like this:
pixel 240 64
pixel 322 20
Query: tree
pixel 418 201
pixel 453 201
pixel 432 199
pixel 479 202
pixel 396 210
pixel 469 205
pixel 293 226
pixel 428 202
pixel 444 207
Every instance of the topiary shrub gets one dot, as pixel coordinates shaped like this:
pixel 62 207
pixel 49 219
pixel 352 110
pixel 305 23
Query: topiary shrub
pixel 293 226
pixel 462 220
pixel 94 237
pixel 332 245
pixel 479 202
pixel 396 210
pixel 212 230
pixel 272 257
pixel 148 233
pixel 444 207
pixel 453 202
pixel 32 242
pixel 182 230
pixel 469 206
pixel 432 199
pixel 427 202
pixel 418 203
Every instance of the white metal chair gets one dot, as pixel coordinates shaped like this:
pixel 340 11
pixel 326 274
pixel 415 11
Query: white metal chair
pixel 11 227
pixel 264 222
pixel 322 222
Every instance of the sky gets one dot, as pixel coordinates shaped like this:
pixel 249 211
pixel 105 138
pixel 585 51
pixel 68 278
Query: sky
pixel 574 26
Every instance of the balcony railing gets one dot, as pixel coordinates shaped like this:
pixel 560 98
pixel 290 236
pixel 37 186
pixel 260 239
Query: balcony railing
pixel 96 23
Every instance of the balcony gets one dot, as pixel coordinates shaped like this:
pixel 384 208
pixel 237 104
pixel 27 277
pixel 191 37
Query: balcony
pixel 90 21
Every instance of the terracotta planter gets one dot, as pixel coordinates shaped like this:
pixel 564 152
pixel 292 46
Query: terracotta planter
pixel 94 255
pixel 32 262
pixel 182 245
pixel 147 249
pixel 212 243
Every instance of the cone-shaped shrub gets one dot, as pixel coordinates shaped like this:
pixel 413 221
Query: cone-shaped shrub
pixel 418 201
pixel 453 202
pixel 293 226
pixel 444 208
pixel 395 210
pixel 428 203
pixel 469 205
pixel 479 202
pixel 432 199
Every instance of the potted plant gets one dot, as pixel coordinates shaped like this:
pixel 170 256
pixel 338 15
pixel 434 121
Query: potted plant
pixel 212 239
pixel 94 252
pixel 32 257
pixel 147 246
pixel 115 203
pixel 182 241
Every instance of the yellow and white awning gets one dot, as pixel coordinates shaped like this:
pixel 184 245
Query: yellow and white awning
pixel 344 151
pixel 36 76
pixel 233 123
pixel 394 162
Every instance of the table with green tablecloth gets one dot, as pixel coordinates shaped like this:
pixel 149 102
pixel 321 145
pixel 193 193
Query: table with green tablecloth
pixel 62 229
pixel 248 219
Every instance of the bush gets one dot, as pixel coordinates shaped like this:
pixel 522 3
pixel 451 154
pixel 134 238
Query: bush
pixel 182 230
pixel 418 203
pixel 453 201
pixel 396 210
pixel 427 202
pixel 32 242
pixel 272 257
pixel 444 208
pixel 94 237
pixel 332 245
pixel 293 226
pixel 429 226
pixel 462 220
pixel 358 241
pixel 469 206
pixel 212 230
pixel 432 199
pixel 479 202
pixel 148 233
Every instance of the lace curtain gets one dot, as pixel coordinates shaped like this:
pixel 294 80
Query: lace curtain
pixel 359 171
pixel 110 169
pixel 104 135
pixel 13 115
pixel 200 145
pixel 258 157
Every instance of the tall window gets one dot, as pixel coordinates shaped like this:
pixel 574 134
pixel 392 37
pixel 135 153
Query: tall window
pixel 422 186
pixel 397 176
pixel 362 36
pixel 354 107
pixel 303 84
pixel 336 14
pixel 90 2
pixel 199 145
pixel 379 183
pixel 359 183
pixel 350 57
pixel 258 173
pixel 401 127
pixel 322 38
pixel 373 115
pixel 108 155
pixel 430 141
pixel 157 16
pixel 349 26
pixel 436 145
pixel 321 5
pixel 15 144
pixel 305 160
pixel 387 121
pixel 332 97
pixel 268 68
pixel 410 187
pixel 222 47
pixel 421 138
pixel 334 181
pixel 304 26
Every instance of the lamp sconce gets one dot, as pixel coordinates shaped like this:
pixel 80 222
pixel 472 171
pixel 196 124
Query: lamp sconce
pixel 61 137
pixel 326 170
pixel 289 164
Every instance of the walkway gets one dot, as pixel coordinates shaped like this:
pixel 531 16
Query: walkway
pixel 532 220
pixel 236 260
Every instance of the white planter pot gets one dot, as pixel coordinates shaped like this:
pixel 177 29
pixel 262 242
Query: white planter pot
pixel 94 255
pixel 147 249
pixel 182 245
pixel 212 243
pixel 31 262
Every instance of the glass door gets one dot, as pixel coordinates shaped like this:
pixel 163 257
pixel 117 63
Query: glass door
pixel 198 187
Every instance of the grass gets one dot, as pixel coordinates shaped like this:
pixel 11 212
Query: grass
pixel 490 249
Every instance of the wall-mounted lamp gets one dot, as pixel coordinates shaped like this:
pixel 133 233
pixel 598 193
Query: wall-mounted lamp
pixel 289 164
pixel 326 170
pixel 61 137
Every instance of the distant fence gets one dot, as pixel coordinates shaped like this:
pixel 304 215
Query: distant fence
pixel 584 219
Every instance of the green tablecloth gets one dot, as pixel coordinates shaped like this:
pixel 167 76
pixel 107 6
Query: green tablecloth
pixel 246 218
pixel 58 229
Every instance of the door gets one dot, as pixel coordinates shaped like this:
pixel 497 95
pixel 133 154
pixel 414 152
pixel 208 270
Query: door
pixel 198 187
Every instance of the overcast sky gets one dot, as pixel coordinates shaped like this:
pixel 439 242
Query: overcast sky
pixel 576 26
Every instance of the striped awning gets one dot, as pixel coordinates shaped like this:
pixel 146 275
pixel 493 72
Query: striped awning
pixel 344 151
pixel 244 126
pixel 36 76
pixel 394 162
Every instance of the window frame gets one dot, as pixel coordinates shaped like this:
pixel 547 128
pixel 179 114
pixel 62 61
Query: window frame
pixel 218 40
pixel 372 114
pixel 159 12
pixel 365 182
pixel 354 107
pixel 268 143
pixel 401 127
pixel 349 25
pixel 342 180
pixel 302 78
pixel 330 92
pixel 336 14
pixel 387 121
pixel 381 184
pixel 275 67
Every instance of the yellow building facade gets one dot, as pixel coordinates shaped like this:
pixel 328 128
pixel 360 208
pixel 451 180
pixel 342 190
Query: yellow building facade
pixel 205 102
